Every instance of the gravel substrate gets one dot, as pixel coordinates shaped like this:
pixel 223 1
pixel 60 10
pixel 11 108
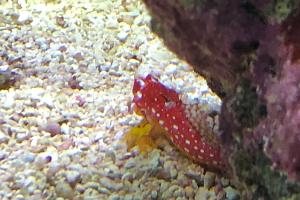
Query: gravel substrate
pixel 62 120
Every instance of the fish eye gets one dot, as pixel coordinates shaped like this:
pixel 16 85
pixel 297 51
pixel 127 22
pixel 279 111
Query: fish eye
pixel 166 98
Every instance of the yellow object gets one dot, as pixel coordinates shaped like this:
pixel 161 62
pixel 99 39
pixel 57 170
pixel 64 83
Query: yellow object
pixel 140 136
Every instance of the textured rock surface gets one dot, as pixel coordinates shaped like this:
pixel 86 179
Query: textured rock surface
pixel 249 53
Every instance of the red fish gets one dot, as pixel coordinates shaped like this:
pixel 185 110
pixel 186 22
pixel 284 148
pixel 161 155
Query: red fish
pixel 163 105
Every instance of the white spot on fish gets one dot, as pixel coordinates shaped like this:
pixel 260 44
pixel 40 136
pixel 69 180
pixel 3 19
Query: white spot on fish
pixel 161 122
pixel 176 136
pixel 200 157
pixel 211 155
pixel 187 142
pixel 170 104
pixel 202 150
pixel 175 127
pixel 153 110
pixel 195 147
pixel 157 115
pixel 186 149
pixel 181 135
pixel 139 94
pixel 155 99
pixel 142 83
pixel 174 117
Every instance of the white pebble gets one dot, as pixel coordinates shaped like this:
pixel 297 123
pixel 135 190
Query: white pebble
pixel 24 18
pixel 3 137
pixel 122 36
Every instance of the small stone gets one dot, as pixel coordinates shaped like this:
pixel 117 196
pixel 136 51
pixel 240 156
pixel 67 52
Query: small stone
pixel 224 182
pixel 2 155
pixel 122 36
pixel 64 190
pixel 8 103
pixel 173 173
pixel 60 21
pixel 3 138
pixel 128 197
pixel 112 23
pixel 72 177
pixel 195 176
pixel 78 56
pixel 53 128
pixel 62 48
pixel 24 18
pixel 23 136
pixel 231 193
pixel 171 69
pixel 130 163
pixel 170 192
pixel 154 195
pixel 189 192
pixel 114 197
pixel 20 197
pixel 42 159
pixel 74 83
pixel 202 194
pixel 221 195
pixel 90 193
pixel 110 184
pixel 28 157
pixel 209 179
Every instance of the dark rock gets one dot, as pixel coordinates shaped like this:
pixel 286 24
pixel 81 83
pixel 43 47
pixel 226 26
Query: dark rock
pixel 249 53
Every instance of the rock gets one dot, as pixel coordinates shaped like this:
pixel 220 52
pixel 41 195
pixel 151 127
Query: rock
pixel 53 128
pixel 8 103
pixel 122 36
pixel 110 184
pixel 209 179
pixel 231 193
pixel 60 21
pixel 202 194
pixel 64 190
pixel 72 177
pixel 171 69
pixel 78 56
pixel 3 138
pixel 3 155
pixel 24 18
pixel 42 159
pixel 195 176
pixel 114 197
pixel 23 136
pixel 154 195
pixel 90 193
pixel 128 197
pixel 172 191
pixel 189 192
pixel 130 163
pixel 28 157
pixel 224 182
pixel 112 23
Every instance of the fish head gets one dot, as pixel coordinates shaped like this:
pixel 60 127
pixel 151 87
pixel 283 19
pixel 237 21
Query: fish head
pixel 150 94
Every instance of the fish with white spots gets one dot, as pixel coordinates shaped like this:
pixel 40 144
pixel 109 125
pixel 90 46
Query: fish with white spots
pixel 163 105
